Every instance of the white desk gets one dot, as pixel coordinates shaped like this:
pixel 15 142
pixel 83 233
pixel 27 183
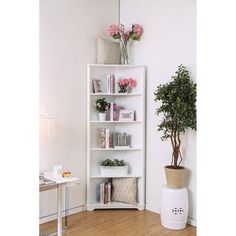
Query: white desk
pixel 59 184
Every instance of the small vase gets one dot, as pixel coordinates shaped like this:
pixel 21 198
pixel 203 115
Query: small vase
pixel 123 88
pixel 124 56
pixel 102 116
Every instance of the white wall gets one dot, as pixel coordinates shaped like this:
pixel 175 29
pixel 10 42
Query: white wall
pixel 169 39
pixel 68 32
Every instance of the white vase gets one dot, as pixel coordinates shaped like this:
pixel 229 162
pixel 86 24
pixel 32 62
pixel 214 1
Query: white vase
pixel 114 170
pixel 102 116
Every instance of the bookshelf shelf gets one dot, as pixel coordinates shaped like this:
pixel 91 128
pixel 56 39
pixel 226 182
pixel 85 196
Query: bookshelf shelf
pixel 105 78
pixel 116 149
pixel 116 94
pixel 113 205
pixel 118 122
pixel 105 177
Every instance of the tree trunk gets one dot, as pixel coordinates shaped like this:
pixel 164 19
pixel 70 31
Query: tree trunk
pixel 176 155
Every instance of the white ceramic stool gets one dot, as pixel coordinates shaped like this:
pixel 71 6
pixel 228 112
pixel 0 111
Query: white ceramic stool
pixel 174 208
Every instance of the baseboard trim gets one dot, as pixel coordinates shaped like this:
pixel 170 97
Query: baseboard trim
pixel 192 222
pixel 70 211
pixel 158 211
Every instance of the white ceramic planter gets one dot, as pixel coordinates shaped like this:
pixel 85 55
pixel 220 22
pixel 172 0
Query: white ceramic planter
pixel 174 208
pixel 102 116
pixel 114 170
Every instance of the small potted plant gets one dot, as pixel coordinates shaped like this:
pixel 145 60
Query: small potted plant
pixel 102 106
pixel 125 85
pixel 177 107
pixel 114 167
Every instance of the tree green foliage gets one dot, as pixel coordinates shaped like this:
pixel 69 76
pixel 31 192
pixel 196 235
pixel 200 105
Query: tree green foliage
pixel 115 162
pixel 177 106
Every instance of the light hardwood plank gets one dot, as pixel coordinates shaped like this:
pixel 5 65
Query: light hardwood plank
pixel 117 223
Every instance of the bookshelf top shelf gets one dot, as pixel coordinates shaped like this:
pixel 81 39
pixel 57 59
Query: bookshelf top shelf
pixel 116 149
pixel 116 121
pixel 115 65
pixel 116 94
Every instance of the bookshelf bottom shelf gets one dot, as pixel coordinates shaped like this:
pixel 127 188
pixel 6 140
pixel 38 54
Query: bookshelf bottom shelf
pixel 113 205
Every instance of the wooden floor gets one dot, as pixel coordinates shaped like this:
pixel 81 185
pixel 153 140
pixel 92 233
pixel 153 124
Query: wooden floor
pixel 117 223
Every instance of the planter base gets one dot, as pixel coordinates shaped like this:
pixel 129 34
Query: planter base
pixel 175 177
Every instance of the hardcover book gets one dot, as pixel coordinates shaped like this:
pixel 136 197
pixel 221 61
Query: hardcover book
pixel 106 193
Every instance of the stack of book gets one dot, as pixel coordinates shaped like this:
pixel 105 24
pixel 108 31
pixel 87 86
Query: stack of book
pixel 106 138
pixel 105 193
pixel 110 83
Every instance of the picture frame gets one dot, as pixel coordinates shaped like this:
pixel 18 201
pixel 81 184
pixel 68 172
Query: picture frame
pixel 126 115
pixel 97 85
pixel 57 171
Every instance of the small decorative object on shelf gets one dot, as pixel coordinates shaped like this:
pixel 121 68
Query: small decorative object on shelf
pixel 102 106
pixel 97 86
pixel 119 32
pixel 126 115
pixel 125 85
pixel 121 140
pixel 114 167
pixel 66 174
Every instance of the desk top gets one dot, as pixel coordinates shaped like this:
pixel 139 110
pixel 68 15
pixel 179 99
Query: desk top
pixel 67 181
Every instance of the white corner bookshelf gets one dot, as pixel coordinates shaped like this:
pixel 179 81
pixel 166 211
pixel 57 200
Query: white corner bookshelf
pixel 134 155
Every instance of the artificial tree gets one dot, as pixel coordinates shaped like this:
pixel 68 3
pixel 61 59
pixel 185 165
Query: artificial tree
pixel 177 107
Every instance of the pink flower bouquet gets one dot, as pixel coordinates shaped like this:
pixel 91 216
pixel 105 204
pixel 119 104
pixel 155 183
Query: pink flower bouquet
pixel 119 32
pixel 126 84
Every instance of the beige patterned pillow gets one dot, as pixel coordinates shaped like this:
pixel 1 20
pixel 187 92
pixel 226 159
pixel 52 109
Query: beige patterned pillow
pixel 124 190
pixel 108 52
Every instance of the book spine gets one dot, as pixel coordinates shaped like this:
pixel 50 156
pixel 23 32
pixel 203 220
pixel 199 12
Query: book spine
pixel 108 83
pixel 112 111
pixel 102 193
pixel 106 193
pixel 107 138
pixel 113 83
pixel 110 140
pixel 109 192
pixel 102 137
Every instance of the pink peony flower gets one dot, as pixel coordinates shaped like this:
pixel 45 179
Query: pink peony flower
pixel 122 81
pixel 131 82
pixel 137 29
pixel 113 30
